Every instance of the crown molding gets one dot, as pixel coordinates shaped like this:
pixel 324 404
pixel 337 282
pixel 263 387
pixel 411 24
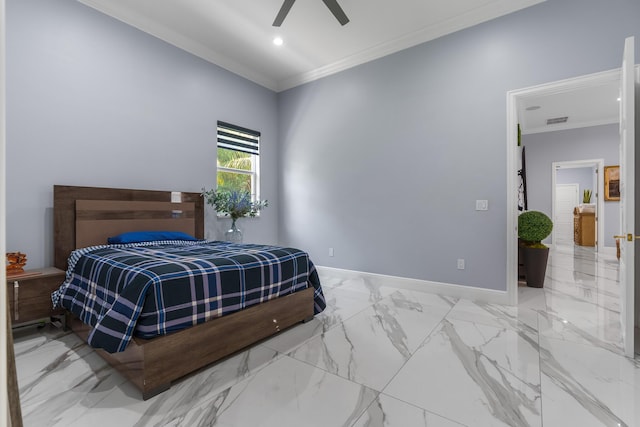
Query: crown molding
pixel 568 126
pixel 187 44
pixel 477 16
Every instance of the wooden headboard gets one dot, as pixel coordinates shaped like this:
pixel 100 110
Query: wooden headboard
pixel 85 216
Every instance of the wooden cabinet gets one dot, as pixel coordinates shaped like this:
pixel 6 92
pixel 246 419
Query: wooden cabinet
pixel 584 228
pixel 29 294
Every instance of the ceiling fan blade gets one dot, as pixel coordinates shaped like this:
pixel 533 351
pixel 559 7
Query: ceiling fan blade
pixel 284 10
pixel 337 11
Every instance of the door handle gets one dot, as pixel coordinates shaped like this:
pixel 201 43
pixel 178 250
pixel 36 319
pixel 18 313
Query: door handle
pixel 16 300
pixel 629 237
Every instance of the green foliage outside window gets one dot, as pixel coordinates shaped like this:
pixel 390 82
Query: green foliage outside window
pixel 234 181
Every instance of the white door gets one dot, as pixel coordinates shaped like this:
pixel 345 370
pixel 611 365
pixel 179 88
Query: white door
pixel 627 200
pixel 566 200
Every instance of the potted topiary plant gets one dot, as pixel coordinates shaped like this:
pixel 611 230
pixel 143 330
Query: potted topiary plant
pixel 533 228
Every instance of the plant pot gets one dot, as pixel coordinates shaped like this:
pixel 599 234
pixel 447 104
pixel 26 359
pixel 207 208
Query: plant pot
pixel 521 274
pixel 535 265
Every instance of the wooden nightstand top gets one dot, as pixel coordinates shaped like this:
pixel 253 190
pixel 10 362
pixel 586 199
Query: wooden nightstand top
pixel 36 273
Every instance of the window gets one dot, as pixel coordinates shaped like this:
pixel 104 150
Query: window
pixel 238 159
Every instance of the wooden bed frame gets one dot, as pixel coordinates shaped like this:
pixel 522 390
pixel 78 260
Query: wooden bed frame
pixel 85 216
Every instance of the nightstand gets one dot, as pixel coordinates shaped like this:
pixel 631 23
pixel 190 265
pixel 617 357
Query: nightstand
pixel 29 294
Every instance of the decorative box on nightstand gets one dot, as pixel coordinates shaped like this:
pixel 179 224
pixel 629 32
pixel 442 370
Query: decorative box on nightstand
pixel 30 294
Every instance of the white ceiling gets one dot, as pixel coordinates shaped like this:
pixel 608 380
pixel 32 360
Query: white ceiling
pixel 591 105
pixel 238 34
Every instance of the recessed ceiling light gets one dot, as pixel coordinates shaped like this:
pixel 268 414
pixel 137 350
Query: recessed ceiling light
pixel 533 108
pixel 278 41
pixel 619 99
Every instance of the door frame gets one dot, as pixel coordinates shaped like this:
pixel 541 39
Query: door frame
pixel 637 212
pixel 513 97
pixel 4 394
pixel 600 219
pixel 628 85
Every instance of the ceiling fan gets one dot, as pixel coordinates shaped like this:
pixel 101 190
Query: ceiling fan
pixel 333 6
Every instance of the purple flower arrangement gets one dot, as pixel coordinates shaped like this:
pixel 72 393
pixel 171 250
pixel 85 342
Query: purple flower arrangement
pixel 236 204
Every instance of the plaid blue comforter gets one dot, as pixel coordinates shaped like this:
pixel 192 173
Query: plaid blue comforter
pixel 150 289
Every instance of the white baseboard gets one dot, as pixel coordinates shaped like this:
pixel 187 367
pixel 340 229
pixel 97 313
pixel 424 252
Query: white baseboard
pixel 609 250
pixel 447 289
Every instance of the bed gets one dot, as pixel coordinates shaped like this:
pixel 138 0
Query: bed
pixel 84 217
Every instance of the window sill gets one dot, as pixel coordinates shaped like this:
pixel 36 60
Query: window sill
pixel 244 217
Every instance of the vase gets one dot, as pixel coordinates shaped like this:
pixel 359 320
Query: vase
pixel 234 234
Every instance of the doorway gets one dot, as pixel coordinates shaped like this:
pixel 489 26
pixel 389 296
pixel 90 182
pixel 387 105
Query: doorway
pixel 564 203
pixel 627 77
pixel 578 175
pixel 514 99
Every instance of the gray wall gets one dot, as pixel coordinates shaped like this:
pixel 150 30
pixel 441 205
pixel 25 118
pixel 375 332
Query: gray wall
pixel 384 162
pixel 598 142
pixel 581 176
pixel 92 101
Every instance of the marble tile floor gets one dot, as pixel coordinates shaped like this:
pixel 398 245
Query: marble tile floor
pixel 379 356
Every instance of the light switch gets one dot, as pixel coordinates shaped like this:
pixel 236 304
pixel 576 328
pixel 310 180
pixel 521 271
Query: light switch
pixel 482 205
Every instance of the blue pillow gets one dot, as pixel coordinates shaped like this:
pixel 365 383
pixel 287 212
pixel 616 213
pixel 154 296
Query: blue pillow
pixel 148 236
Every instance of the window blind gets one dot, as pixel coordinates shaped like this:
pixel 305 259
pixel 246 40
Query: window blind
pixel 238 138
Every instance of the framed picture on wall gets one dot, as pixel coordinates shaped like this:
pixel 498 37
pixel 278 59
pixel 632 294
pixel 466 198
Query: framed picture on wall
pixel 612 183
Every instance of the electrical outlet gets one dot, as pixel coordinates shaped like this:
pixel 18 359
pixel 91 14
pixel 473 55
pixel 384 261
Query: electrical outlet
pixel 460 264
pixel 330 251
